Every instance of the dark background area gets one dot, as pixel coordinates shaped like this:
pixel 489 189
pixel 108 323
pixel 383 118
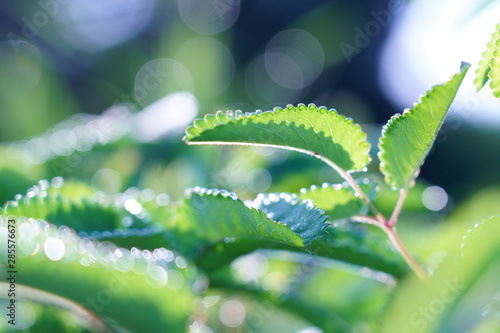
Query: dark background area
pixel 77 79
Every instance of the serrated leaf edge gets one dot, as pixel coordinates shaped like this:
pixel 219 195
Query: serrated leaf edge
pixel 209 122
pixel 482 73
pixel 494 73
pixel 201 191
pixel 387 128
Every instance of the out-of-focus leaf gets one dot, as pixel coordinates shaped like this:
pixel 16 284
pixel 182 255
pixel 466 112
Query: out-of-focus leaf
pixel 338 200
pixel 121 218
pixel 80 210
pixel 360 245
pixel 483 70
pixel 494 73
pixel 12 182
pixel 317 315
pixel 103 277
pixel 462 295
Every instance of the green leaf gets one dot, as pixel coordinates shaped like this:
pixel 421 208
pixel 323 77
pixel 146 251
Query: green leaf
pixel 82 212
pixel 103 277
pixel 308 129
pixel 76 205
pixel 207 217
pixel 338 200
pixel 462 295
pixel 483 71
pixel 12 182
pixel 494 73
pixel 361 245
pixel 302 217
pixel 214 228
pixel 407 139
pixel 325 318
pixel 332 296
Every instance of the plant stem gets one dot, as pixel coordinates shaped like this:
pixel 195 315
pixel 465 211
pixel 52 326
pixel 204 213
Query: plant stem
pixel 347 176
pixel 399 206
pixel 380 220
pixel 365 219
pixel 415 266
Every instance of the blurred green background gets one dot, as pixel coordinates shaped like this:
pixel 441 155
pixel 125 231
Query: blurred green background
pixel 101 92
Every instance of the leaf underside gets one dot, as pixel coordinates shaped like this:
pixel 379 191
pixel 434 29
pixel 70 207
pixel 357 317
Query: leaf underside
pixel 308 129
pixel 407 139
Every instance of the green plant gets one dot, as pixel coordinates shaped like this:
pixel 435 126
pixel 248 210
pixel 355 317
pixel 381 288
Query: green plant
pixel 489 66
pixel 132 262
pixel 405 142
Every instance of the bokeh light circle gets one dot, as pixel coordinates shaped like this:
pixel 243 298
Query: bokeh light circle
pixel 159 77
pixel 93 25
pixel 434 198
pixel 211 62
pixel 209 17
pixel 20 67
pixel 294 58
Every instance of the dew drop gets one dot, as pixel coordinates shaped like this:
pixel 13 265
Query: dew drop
pixel 135 252
pixel 54 248
pixel 57 182
pixel 147 195
pixel 123 260
pixel 133 206
pixel 146 254
pixel 180 262
pixel 127 221
pixel 156 276
pixel 163 199
pixel 175 280
pixel 140 266
pixel 434 198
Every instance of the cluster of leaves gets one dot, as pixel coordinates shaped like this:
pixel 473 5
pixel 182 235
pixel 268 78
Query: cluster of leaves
pixel 142 265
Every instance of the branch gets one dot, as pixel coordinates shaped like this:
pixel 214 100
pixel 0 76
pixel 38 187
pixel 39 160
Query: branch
pixel 347 176
pixel 415 266
pixel 399 206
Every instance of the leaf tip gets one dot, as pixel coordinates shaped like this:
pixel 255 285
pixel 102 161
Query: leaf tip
pixel 464 66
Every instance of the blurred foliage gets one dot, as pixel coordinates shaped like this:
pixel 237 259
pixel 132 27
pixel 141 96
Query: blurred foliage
pixel 65 68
